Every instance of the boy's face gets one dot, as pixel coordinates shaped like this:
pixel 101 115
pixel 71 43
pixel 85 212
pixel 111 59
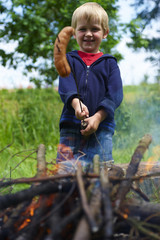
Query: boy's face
pixel 89 35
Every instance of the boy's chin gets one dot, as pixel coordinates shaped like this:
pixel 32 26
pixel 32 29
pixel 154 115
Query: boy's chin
pixel 89 50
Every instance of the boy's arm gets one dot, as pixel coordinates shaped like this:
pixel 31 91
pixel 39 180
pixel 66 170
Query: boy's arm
pixel 100 115
pixel 81 111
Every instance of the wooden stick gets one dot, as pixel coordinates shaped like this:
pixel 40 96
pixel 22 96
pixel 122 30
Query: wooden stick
pixel 85 205
pixel 70 175
pixel 107 206
pixel 41 161
pixel 132 169
pixel 83 232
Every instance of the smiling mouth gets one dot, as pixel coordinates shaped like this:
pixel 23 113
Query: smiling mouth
pixel 88 41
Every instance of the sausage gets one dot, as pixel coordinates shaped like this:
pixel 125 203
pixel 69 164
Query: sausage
pixel 60 47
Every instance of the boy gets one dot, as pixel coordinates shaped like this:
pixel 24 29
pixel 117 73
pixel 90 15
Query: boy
pixel 99 88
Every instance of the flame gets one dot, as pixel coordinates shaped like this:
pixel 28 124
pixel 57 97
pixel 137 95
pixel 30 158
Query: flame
pixel 125 215
pixel 24 224
pixel 29 212
pixel 153 159
pixel 52 170
pixel 65 152
pixel 150 163
pixel 32 211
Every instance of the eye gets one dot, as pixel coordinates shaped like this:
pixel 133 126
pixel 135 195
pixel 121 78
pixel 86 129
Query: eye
pixel 82 29
pixel 95 29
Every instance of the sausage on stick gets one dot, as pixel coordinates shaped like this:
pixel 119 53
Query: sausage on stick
pixel 60 47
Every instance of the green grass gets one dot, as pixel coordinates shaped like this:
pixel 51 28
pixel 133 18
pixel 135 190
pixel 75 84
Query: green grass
pixel 29 117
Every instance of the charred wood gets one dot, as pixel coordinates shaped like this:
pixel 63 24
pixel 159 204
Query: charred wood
pixel 27 194
pixel 132 169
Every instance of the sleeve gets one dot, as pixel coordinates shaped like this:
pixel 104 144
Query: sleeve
pixel 114 89
pixel 68 88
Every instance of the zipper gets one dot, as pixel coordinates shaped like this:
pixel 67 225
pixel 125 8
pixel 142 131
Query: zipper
pixel 86 82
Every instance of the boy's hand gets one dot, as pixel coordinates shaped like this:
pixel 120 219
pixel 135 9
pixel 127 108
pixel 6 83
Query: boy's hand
pixel 93 122
pixel 80 113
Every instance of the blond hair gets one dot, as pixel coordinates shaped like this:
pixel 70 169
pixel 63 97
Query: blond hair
pixel 91 11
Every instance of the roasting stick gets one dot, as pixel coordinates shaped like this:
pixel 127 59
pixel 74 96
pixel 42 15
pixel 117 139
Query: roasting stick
pixel 83 122
pixel 61 63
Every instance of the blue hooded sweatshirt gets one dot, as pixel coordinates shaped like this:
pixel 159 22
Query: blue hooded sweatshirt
pixel 99 87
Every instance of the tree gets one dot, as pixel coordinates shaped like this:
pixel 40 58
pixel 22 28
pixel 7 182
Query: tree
pixel 34 25
pixel 147 15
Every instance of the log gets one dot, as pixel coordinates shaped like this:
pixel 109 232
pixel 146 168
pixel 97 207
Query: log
pixel 9 200
pixel 132 169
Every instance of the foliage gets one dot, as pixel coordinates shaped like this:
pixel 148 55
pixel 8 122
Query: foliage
pixel 147 14
pixel 34 25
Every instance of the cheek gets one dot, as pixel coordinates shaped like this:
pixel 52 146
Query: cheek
pixel 98 36
pixel 80 35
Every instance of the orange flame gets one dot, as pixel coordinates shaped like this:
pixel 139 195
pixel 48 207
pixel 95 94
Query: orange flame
pixel 151 162
pixel 24 224
pixel 149 165
pixel 65 152
pixel 29 212
pixel 125 215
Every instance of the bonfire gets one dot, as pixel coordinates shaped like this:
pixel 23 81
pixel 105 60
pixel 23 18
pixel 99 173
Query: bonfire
pixel 81 204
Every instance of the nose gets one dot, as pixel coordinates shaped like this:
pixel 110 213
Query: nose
pixel 88 33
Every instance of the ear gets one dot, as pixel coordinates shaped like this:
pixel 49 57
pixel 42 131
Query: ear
pixel 105 33
pixel 74 34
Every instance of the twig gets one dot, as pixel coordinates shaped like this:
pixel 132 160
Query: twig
pixel 141 194
pixel 139 226
pixel 16 154
pixel 21 161
pixel 8 144
pixel 70 175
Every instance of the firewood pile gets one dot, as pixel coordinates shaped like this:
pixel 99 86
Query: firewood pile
pixel 81 205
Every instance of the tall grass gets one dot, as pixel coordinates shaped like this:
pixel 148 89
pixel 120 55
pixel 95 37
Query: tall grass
pixel 28 117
